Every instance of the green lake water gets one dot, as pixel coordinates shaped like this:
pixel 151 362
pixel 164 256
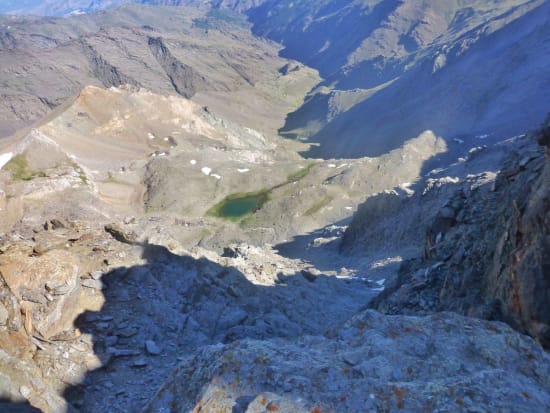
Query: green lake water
pixel 239 207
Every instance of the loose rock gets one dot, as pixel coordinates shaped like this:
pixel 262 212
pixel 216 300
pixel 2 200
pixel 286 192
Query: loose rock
pixel 152 348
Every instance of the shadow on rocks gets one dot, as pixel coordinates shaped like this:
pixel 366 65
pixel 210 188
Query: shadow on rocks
pixel 159 313
pixel 9 406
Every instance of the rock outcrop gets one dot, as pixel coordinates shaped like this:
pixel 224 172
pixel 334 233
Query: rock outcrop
pixel 185 80
pixel 444 362
pixel 487 250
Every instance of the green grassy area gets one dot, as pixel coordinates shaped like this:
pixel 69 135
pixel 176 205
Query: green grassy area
pixel 20 171
pixel 81 174
pixel 318 205
pixel 300 173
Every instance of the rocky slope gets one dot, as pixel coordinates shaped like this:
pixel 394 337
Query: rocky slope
pixel 373 363
pixel 409 60
pixel 485 249
pixel 133 149
pixel 162 248
pixel 168 50
pixel 98 293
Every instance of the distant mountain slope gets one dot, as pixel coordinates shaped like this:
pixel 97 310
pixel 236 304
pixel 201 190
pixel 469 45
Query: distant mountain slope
pixel 57 7
pixel 395 68
pixel 455 67
pixel 211 57
pixel 11 5
pixel 475 84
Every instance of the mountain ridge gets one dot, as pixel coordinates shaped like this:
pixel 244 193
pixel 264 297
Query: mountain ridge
pixel 188 220
pixel 402 58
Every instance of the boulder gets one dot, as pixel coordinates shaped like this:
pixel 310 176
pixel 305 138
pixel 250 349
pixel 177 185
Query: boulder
pixel 444 362
pixel 33 280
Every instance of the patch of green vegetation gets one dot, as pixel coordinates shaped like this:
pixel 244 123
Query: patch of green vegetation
pixel 237 206
pixel 215 17
pixel 318 205
pixel 20 171
pixel 83 177
pixel 81 174
pixel 300 173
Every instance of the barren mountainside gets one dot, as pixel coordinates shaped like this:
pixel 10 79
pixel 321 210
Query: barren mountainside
pixel 47 61
pixel 457 68
pixel 274 206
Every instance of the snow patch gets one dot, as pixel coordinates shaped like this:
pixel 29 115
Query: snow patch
pixel 206 170
pixel 151 135
pixel 332 165
pixel 243 170
pixel 5 158
pixel 216 176
pixel 406 187
pixel 193 162
pixel 76 13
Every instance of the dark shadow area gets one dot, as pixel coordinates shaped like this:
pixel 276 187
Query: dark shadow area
pixel 335 30
pixel 8 406
pixel 158 313
pixel 493 88
pixel 321 247
pixel 483 246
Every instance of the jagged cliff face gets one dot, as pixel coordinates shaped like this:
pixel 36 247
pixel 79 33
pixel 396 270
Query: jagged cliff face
pixel 486 249
pixel 519 275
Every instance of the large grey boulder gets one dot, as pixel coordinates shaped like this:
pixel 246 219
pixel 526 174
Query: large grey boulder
pixel 375 362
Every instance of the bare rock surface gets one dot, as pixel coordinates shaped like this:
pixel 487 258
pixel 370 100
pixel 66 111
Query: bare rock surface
pixel 102 295
pixel 126 283
pixel 100 300
pixel 373 362
pixel 485 250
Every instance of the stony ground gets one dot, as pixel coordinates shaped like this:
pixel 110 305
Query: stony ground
pixel 372 363
pixel 104 292
pixel 121 292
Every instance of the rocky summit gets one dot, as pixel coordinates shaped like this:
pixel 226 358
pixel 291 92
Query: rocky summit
pixel 274 206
